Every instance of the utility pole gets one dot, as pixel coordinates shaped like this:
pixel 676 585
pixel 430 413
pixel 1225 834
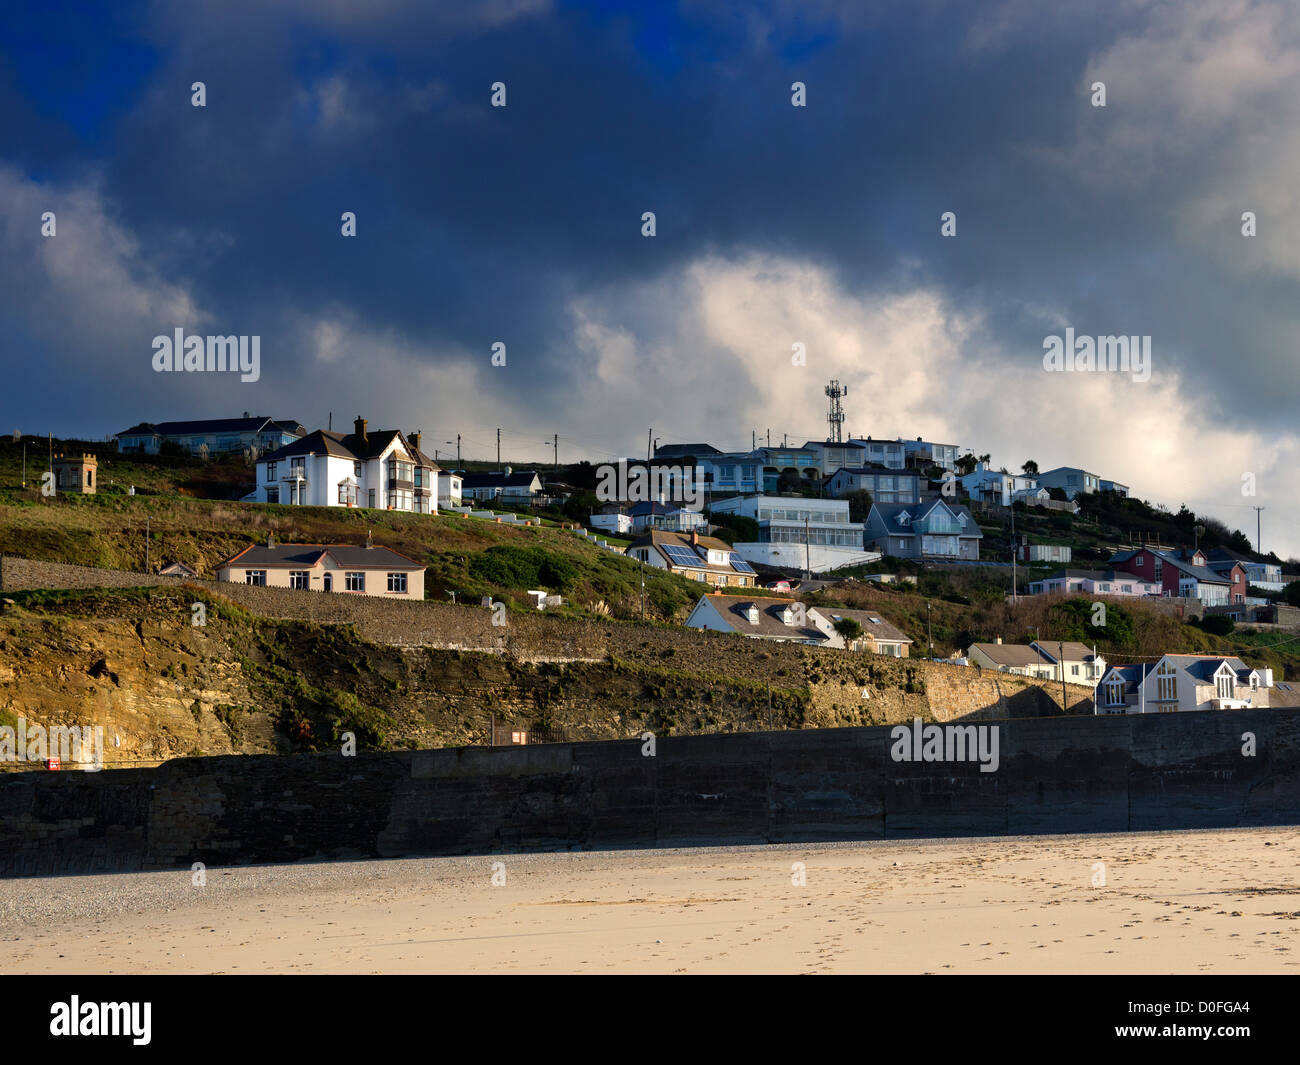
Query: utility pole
pixel 753 440
pixel 1060 646
pixel 24 464
pixel 807 549
pixel 147 537
pixel 555 443
pixel 649 441
pixel 1258 549
pixel 929 632
pixel 457 448
pixel 1013 554
pixel 498 449
pixel 769 438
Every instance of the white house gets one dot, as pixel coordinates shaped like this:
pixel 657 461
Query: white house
pixel 1025 660
pixel 341 568
pixel 995 486
pixel 384 470
pixel 1080 663
pixel 1093 582
pixel 618 522
pixel 798 533
pixel 1183 682
pixel 449 488
pixel 508 487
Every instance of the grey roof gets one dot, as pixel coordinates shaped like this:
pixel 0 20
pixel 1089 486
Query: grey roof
pixel 889 512
pixel 735 612
pixel 872 623
pixel 1011 654
pixel 876 468
pixel 307 555
pixel 674 451
pixel 1071 650
pixel 213 425
pixel 514 479
pixel 1201 573
pixel 1203 667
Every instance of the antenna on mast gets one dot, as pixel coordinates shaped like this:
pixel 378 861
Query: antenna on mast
pixel 835 416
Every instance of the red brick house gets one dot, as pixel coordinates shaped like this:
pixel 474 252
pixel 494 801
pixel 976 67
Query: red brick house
pixel 1186 573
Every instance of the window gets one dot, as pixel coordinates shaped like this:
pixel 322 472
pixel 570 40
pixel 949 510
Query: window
pixel 370 498
pixel 255 576
pixel 270 470
pixel 298 578
pixel 356 469
pixel 1159 568
pixel 1074 671
pixel 397 583
pixel 1115 693
pixel 1166 684
pixel 420 480
pixel 273 495
pixel 1224 687
pixel 298 468
pixel 354 582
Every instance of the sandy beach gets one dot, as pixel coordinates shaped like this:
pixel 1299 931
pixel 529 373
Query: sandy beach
pixel 1177 902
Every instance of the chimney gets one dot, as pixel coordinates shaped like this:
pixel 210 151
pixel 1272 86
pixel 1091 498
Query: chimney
pixel 247 415
pixel 270 540
pixel 695 538
pixel 359 427
pixel 997 639
pixel 415 440
pixel 369 542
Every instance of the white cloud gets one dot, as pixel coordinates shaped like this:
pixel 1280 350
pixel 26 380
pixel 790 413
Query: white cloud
pixel 705 354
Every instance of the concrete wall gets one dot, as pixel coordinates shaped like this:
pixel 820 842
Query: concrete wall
pixel 1106 774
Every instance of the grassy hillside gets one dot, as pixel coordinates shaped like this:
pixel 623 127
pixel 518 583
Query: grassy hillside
pixel 468 556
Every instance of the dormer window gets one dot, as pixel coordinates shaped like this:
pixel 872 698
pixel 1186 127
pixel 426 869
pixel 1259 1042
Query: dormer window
pixel 787 616
pixel 904 518
pixel 752 613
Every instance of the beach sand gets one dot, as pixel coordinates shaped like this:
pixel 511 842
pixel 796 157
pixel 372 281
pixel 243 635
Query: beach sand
pixel 1224 901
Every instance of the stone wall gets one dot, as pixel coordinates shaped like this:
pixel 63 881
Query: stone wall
pixel 1063 775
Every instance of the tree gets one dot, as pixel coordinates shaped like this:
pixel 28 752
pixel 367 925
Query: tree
pixel 1291 593
pixel 966 464
pixel 859 505
pixel 848 628
pixel 1030 468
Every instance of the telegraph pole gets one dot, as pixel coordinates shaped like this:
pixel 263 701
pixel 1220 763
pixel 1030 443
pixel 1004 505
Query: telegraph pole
pixel 555 443
pixel 1258 549
pixel 1013 553
pixel 929 632
pixel 1065 706
pixel 498 449
pixel 649 441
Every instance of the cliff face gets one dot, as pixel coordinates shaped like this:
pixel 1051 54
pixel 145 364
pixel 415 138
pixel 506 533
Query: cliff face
pixel 130 660
pixel 155 687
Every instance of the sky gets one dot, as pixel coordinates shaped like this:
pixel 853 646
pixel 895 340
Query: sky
pixel 776 225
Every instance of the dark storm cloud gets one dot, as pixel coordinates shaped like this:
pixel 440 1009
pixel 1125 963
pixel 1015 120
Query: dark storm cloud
pixel 478 224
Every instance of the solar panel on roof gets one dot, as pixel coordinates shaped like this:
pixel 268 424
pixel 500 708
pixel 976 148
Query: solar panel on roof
pixel 739 564
pixel 683 556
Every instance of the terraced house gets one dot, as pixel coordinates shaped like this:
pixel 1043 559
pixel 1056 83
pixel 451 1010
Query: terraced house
pixel 384 470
